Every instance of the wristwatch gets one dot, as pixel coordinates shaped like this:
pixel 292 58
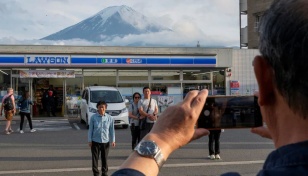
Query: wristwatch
pixel 149 149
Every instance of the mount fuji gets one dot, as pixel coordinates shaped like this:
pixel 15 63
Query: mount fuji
pixel 111 22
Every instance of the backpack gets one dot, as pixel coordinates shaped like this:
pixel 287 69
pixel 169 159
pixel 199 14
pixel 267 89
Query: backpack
pixel 8 103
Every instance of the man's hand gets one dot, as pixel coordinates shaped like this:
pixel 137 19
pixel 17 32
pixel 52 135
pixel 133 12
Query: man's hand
pixel 90 144
pixel 176 125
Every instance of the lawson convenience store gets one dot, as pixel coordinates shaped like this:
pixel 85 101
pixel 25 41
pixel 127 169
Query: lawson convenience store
pixel 167 71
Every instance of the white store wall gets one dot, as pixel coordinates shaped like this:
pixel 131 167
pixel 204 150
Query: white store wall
pixel 242 70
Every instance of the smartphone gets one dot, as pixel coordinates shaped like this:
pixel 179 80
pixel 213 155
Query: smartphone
pixel 230 112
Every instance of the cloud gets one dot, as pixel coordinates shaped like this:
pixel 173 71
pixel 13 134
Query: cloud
pixel 184 36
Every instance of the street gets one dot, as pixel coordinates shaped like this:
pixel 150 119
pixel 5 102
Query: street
pixel 59 148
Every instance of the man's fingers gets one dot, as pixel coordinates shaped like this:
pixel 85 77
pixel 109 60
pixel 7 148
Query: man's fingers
pixel 262 131
pixel 200 132
pixel 200 99
pixel 190 96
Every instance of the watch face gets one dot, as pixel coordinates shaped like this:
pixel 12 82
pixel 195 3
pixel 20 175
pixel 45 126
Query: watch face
pixel 147 148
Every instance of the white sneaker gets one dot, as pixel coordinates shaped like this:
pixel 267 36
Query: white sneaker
pixel 217 156
pixel 33 130
pixel 21 132
pixel 212 157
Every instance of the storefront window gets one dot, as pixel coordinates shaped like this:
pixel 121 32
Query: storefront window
pixel 5 79
pixel 133 75
pixel 99 77
pixel 219 83
pixel 196 75
pixel 165 75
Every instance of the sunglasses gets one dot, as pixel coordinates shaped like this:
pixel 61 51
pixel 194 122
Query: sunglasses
pixel 137 97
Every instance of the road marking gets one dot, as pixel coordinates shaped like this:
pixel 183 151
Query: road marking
pixel 215 163
pixel 76 126
pixel 116 167
pixel 51 125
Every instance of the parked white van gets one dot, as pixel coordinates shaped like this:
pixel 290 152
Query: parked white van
pixel 116 106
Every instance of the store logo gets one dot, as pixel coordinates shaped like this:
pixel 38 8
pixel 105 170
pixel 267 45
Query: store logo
pixel 133 61
pixel 47 60
pixel 110 61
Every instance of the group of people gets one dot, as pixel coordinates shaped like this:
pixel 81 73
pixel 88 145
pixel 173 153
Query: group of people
pixel 8 106
pixel 142 114
pixel 101 127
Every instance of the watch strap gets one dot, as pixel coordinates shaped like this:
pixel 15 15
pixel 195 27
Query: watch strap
pixel 159 159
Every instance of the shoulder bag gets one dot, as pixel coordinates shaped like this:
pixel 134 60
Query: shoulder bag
pixel 143 121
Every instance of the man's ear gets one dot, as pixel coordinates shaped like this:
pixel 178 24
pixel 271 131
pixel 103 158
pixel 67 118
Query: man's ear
pixel 264 75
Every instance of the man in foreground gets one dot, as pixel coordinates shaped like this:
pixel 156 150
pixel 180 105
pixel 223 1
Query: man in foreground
pixel 100 135
pixel 281 73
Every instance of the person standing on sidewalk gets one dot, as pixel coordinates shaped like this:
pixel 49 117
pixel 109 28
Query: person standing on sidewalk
pixel 134 119
pixel 100 134
pixel 24 105
pixel 148 109
pixel 8 104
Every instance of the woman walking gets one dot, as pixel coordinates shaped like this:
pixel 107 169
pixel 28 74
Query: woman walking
pixel 24 105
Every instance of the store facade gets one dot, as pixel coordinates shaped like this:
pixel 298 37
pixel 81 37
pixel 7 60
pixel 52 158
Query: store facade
pixel 169 72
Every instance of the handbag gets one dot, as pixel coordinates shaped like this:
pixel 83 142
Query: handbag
pixel 143 121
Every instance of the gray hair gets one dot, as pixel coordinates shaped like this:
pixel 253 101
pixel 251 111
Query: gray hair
pixel 284 44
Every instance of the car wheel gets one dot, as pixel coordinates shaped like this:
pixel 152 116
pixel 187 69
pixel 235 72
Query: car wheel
pixel 82 121
pixel 125 126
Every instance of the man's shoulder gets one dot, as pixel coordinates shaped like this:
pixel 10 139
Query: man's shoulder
pixel 6 96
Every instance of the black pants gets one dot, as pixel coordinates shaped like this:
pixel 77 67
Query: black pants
pixel 103 150
pixel 214 137
pixel 51 108
pixel 135 131
pixel 144 132
pixel 22 118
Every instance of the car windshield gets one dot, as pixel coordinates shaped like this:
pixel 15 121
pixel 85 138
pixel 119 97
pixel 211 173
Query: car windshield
pixel 109 96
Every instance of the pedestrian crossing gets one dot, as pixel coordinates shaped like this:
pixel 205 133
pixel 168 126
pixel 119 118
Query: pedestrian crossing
pixel 50 125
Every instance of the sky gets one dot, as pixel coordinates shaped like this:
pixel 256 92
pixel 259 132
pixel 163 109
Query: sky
pixel 211 22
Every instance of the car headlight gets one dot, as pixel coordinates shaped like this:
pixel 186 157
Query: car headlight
pixel 124 110
pixel 92 110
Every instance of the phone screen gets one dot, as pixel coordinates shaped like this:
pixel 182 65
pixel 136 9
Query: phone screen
pixel 230 112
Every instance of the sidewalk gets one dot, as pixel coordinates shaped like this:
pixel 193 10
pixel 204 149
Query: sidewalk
pixel 17 118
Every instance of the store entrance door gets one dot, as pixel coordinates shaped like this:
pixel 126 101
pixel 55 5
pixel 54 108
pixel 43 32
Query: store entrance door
pixel 48 103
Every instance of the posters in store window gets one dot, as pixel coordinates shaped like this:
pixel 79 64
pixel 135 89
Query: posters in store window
pixel 235 87
pixel 46 74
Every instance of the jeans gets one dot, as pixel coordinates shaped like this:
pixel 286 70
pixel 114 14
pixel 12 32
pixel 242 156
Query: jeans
pixel 22 118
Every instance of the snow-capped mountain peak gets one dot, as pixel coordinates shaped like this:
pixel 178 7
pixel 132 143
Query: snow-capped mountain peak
pixel 114 21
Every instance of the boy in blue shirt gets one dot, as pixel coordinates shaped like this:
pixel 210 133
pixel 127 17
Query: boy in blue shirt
pixel 100 134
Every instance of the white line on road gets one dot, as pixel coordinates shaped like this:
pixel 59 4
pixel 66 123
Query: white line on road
pixel 76 126
pixel 116 167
